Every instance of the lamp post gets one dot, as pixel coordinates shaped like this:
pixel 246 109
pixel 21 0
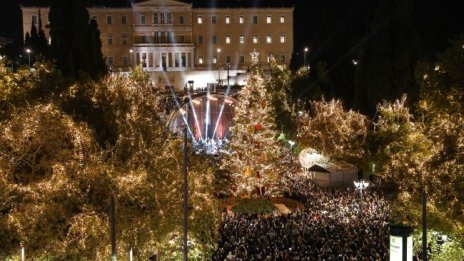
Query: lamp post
pixel 185 186
pixel 113 227
pixel 361 185
pixel 28 51
pixel 228 77
pixel 219 66
pixel 185 249
pixel 130 57
pixel 306 49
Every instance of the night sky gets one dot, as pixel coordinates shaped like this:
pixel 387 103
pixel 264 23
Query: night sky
pixel 336 26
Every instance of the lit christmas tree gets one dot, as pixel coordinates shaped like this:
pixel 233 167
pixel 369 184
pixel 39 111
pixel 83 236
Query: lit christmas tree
pixel 256 159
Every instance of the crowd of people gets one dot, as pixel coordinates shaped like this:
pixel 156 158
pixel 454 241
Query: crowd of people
pixel 335 225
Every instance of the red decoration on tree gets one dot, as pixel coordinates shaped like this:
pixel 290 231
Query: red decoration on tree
pixel 259 127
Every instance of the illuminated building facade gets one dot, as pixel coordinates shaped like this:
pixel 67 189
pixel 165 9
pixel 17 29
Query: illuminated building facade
pixel 177 42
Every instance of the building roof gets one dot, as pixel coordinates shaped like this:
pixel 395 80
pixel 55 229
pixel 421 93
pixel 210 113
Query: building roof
pixel 240 3
pixel 332 167
pixel 195 3
pixel 90 3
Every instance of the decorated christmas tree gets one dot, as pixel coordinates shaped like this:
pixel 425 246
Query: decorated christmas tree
pixel 255 161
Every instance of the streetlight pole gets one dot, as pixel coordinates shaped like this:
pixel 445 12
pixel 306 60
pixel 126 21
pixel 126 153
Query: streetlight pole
pixel 228 77
pixel 130 57
pixel 185 250
pixel 306 49
pixel 28 51
pixel 113 228
pixel 219 66
pixel 424 225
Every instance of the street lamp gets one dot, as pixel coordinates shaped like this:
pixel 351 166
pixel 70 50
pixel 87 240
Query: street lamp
pixel 306 49
pixel 361 185
pixel 219 66
pixel 228 77
pixel 28 51
pixel 130 57
pixel 185 247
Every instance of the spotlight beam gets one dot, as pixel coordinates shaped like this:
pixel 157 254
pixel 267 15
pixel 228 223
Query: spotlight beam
pixel 195 117
pixel 226 94
pixel 208 111
pixel 178 106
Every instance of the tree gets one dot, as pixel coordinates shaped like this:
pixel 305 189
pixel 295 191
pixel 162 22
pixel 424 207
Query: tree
pixel 402 147
pixel 24 86
pixel 278 85
pixel 256 161
pixel 334 132
pixel 45 162
pixel 75 43
pixel 56 180
pixel 36 40
pixel 442 111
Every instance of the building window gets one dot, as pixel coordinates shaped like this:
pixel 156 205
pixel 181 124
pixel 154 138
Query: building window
pixel 213 19
pixel 268 39
pixel 242 59
pixel 282 19
pixel 227 19
pixel 142 19
pixel 269 57
pixel 214 59
pixel 169 18
pixel 182 39
pixel 200 39
pixel 282 38
pixel 176 60
pixel 34 19
pixel 255 19
pixel 242 39
pixel 110 39
pixel 125 60
pixel 213 39
pixel 228 59
pixel 268 19
pixel 282 58
pixel 241 19
pixel 164 61
pixel 110 60
pixel 199 19
pixel 123 19
pixel 124 39
pixel 227 39
pixel 181 20
pixel 155 18
pixel 144 39
pixel 144 60
pixel 200 60
pixel 183 59
pixel 161 18
pixel 109 19
pixel 255 39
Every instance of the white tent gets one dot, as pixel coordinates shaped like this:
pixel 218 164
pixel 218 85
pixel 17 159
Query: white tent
pixel 338 174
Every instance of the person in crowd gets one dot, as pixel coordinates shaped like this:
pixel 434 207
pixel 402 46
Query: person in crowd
pixel 335 225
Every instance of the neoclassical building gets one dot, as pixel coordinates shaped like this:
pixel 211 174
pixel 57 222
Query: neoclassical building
pixel 179 41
